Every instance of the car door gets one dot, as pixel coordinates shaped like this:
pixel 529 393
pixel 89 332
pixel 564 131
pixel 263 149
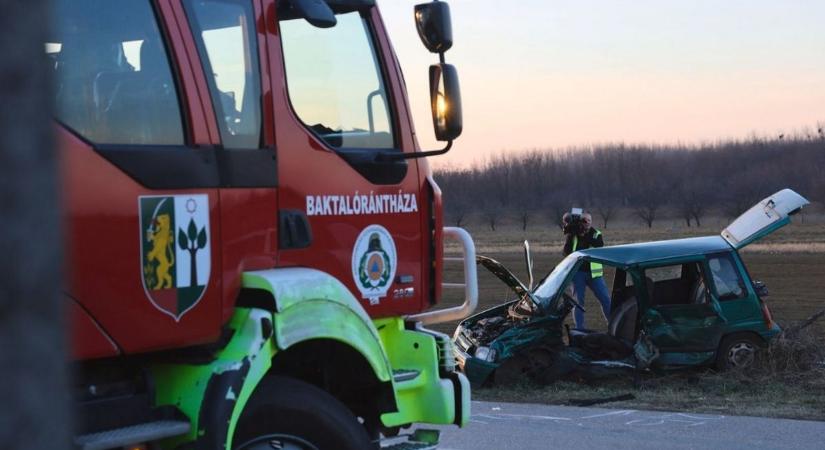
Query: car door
pixel 734 294
pixel 764 218
pixel 681 318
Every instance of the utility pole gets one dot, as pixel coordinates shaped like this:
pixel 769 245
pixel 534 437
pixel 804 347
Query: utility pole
pixel 34 388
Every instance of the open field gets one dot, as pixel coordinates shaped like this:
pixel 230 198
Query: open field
pixel 791 262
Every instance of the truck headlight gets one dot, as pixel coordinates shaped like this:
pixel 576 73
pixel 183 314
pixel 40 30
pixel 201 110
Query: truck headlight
pixel 486 354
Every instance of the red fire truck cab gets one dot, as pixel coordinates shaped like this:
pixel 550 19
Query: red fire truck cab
pixel 252 234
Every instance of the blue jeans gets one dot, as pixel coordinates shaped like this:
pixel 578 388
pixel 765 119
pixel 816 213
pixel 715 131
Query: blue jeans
pixel 599 288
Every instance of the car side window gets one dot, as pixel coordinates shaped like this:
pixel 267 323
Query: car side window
pixel 113 78
pixel 225 33
pixel 727 281
pixel 335 82
pixel 679 284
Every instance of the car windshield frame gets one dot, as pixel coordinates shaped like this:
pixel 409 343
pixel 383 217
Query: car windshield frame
pixel 547 291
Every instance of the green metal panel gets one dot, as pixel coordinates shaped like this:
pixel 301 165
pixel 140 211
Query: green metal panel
pixel 310 305
pixel 322 319
pixel 427 397
pixel 248 356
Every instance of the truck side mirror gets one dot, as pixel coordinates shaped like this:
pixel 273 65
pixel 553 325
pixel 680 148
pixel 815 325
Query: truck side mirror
pixel 445 100
pixel 316 12
pixel 432 20
pixel 436 32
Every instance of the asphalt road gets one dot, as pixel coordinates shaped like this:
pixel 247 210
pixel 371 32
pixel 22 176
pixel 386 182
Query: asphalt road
pixel 510 426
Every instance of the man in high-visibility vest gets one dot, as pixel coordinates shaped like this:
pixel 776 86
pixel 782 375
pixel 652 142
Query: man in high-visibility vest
pixel 580 235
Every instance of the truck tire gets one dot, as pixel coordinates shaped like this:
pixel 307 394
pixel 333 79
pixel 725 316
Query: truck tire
pixel 738 351
pixel 290 414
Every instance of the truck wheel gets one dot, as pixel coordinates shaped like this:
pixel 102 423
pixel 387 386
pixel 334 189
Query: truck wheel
pixel 288 414
pixel 738 351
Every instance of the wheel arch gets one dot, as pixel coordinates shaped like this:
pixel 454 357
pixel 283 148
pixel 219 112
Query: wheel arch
pixel 751 333
pixel 323 336
pixel 285 321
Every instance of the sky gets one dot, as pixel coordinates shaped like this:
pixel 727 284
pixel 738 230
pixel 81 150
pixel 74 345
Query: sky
pixel 541 74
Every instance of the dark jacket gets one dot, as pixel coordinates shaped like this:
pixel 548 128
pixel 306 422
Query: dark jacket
pixel 592 239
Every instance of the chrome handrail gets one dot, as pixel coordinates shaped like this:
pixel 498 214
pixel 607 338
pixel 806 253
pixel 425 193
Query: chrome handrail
pixel 470 284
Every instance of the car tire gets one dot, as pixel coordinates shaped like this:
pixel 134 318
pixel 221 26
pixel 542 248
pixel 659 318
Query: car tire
pixel 290 414
pixel 738 351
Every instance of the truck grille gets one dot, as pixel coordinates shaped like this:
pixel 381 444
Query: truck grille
pixel 446 358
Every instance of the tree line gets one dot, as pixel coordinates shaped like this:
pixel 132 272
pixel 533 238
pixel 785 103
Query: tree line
pixel 688 181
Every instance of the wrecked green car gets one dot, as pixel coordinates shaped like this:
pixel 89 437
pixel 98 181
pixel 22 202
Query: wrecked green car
pixel 674 304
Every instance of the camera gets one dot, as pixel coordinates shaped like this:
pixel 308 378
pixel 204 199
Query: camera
pixel 573 222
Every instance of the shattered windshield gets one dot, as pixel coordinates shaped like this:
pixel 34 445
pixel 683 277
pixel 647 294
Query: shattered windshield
pixel 551 285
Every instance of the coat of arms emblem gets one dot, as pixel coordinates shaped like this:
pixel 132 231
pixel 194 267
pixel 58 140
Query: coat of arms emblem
pixel 374 262
pixel 175 250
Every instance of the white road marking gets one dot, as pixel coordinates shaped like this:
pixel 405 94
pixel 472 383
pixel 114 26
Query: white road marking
pixel 623 412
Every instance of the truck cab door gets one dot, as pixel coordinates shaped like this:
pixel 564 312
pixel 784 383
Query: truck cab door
pixel 339 107
pixel 140 175
pixel 226 37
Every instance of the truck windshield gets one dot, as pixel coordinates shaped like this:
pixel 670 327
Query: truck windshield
pixel 335 82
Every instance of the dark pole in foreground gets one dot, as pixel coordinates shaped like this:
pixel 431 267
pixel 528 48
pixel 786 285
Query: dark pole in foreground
pixel 33 381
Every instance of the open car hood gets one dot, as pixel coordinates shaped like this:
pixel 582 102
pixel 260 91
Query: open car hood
pixel 764 218
pixel 503 274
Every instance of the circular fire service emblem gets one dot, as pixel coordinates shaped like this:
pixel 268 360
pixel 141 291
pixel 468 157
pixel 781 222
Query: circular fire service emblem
pixel 373 262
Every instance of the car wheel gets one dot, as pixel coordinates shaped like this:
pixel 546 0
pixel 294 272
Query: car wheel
pixel 738 351
pixel 288 414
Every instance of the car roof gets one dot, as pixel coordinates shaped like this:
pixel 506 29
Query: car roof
pixel 632 254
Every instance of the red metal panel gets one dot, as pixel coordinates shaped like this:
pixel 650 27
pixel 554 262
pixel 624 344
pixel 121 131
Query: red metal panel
pixel 203 121
pixel 432 248
pixel 88 339
pixel 249 237
pixel 104 255
pixel 103 235
pixel 306 167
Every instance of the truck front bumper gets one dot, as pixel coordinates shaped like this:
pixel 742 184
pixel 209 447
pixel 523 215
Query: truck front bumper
pixel 427 387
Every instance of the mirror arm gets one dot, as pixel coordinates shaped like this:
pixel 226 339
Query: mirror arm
pixel 397 156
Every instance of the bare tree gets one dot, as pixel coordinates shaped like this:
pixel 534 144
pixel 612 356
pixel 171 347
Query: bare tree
pixel 647 213
pixel 492 215
pixel 524 215
pixel 727 176
pixel 458 215
pixel 34 413
pixel 606 211
pixel 692 203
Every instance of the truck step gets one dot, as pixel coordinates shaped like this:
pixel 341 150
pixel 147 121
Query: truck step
pixel 411 446
pixel 120 437
pixel 402 375
pixel 420 439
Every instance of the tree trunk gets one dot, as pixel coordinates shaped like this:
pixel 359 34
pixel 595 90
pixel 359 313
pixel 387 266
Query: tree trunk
pixel 34 393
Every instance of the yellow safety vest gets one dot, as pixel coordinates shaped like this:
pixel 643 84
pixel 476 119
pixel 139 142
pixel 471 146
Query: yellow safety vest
pixel 596 269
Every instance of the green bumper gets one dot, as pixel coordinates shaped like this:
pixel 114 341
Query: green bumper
pixel 427 389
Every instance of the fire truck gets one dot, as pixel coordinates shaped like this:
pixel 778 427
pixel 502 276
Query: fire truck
pixel 254 238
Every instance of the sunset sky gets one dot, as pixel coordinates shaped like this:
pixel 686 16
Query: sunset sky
pixel 539 74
